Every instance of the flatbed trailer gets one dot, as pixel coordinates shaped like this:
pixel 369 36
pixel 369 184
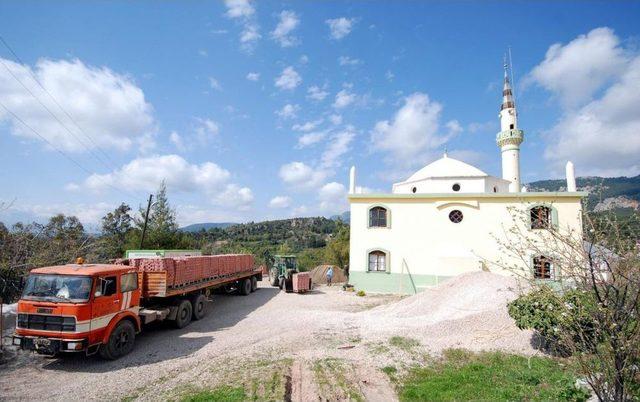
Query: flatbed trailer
pixel 99 308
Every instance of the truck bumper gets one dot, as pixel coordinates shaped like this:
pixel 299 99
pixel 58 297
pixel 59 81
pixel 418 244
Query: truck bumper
pixel 49 346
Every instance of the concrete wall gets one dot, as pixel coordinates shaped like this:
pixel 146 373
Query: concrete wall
pixel 421 239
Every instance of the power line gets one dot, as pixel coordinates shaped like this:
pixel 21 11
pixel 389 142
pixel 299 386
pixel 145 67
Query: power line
pixel 35 78
pixel 75 162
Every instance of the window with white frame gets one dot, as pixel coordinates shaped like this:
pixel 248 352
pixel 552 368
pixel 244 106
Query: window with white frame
pixel 377 261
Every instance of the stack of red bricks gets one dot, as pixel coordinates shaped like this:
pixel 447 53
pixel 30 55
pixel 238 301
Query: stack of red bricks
pixel 301 282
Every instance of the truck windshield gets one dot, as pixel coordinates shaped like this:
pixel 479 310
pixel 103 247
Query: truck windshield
pixel 57 288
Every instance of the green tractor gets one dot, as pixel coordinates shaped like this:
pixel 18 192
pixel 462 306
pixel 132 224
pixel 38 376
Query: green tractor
pixel 285 275
pixel 282 271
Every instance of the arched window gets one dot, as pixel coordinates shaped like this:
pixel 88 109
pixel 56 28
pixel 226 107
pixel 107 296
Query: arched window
pixel 542 267
pixel 540 217
pixel 378 217
pixel 377 261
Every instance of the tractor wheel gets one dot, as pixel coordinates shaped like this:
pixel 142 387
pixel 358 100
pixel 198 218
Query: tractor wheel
pixel 245 287
pixel 184 314
pixel 254 283
pixel 120 341
pixel 199 304
pixel 282 284
pixel 273 277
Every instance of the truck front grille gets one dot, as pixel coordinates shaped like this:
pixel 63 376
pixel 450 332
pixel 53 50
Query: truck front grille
pixel 46 322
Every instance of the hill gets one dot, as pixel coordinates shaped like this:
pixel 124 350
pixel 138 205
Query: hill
pixel 605 193
pixel 196 227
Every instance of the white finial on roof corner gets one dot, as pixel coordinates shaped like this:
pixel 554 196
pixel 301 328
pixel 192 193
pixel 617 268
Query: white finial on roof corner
pixel 571 177
pixel 446 155
pixel 352 180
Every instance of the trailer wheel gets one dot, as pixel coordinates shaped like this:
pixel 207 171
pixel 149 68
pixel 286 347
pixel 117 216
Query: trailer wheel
pixel 254 283
pixel 120 341
pixel 245 286
pixel 184 314
pixel 199 304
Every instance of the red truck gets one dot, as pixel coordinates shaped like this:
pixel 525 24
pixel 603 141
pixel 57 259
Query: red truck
pixel 99 308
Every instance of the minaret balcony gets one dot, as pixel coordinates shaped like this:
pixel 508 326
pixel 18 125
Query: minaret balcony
pixel 510 137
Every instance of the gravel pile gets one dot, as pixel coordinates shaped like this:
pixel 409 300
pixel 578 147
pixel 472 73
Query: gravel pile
pixel 468 311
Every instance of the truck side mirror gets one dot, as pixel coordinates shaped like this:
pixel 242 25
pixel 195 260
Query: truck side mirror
pixel 97 293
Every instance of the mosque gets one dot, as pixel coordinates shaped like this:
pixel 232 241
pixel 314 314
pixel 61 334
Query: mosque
pixel 449 218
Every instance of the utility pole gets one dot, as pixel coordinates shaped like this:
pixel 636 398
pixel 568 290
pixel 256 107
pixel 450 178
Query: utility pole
pixel 146 218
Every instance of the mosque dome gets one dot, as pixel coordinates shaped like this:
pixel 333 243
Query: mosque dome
pixel 446 167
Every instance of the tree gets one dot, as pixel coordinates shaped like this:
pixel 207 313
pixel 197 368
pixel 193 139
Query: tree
pixel 337 251
pixel 593 311
pixel 162 228
pixel 116 226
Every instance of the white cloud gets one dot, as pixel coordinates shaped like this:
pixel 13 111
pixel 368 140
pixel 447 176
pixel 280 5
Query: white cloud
pixel 340 27
pixel 289 21
pixel 239 8
pixel 316 93
pixel 577 70
pixel 288 111
pixel 338 145
pixel 89 213
pixel 109 108
pixel 301 175
pixel 289 79
pixel 414 130
pixel 389 75
pixel 304 59
pixel 72 187
pixel 343 99
pixel 146 173
pixel 333 197
pixel 602 137
pixel 206 130
pixel 348 61
pixel 214 84
pixel 177 141
pixel 280 201
pixel 203 53
pixel 253 76
pixel 310 139
pixel 335 119
pixel 235 196
pixel 244 11
pixel 308 126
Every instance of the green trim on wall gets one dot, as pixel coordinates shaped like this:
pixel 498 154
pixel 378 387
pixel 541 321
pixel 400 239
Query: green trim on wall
pixel 382 282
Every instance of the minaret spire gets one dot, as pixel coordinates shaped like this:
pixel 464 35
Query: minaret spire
pixel 510 137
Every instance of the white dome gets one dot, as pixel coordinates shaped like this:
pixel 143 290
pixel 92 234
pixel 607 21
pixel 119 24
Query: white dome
pixel 446 167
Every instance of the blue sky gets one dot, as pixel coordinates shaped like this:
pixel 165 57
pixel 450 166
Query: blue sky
pixel 256 110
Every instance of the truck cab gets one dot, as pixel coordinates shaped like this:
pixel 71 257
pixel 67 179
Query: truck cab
pixel 79 308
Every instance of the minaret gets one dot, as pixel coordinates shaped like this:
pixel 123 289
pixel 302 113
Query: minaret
pixel 509 138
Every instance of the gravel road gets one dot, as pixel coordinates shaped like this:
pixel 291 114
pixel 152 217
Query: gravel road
pixel 265 326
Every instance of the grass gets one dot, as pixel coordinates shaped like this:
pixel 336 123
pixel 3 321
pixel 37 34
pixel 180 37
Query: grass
pixel 406 344
pixel 220 394
pixel 462 375
pixel 331 376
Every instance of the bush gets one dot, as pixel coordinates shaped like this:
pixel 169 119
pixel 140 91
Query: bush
pixel 556 316
pixel 361 293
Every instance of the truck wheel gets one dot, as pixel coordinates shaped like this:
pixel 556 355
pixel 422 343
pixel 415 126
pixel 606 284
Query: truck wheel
pixel 273 277
pixel 120 341
pixel 245 287
pixel 199 304
pixel 254 283
pixel 184 314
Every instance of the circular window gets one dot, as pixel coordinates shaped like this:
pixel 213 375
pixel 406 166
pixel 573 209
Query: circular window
pixel 413 190
pixel 455 216
pixel 456 187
